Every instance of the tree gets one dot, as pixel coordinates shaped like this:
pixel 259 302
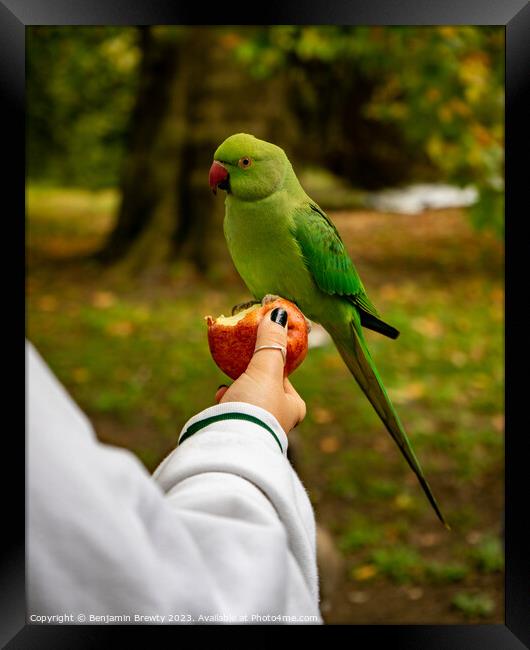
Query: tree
pixel 423 101
pixel 143 179
pixel 190 99
pixel 81 86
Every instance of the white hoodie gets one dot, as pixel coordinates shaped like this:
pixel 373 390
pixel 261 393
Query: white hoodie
pixel 222 532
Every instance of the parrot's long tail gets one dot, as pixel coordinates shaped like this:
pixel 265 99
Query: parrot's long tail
pixel 357 357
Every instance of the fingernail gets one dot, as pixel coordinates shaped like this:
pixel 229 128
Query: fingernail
pixel 279 315
pixel 222 386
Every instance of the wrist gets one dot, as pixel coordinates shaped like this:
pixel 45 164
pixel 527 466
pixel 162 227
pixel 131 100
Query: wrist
pixel 237 416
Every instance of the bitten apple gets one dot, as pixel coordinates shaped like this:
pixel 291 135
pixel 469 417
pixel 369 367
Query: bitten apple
pixel 232 339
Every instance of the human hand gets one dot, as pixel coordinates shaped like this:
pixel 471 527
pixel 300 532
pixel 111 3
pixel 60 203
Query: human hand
pixel 263 384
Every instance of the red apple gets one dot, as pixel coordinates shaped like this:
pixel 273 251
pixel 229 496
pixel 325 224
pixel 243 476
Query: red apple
pixel 232 339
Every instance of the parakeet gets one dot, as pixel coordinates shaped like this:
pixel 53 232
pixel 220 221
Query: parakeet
pixel 283 243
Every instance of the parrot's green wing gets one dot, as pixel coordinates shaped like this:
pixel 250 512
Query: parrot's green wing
pixel 330 265
pixel 334 273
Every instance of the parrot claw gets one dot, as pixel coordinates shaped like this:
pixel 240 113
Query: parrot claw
pixel 243 305
pixel 270 297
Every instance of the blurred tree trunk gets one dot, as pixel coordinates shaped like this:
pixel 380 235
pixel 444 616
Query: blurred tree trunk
pixel 141 182
pixel 192 95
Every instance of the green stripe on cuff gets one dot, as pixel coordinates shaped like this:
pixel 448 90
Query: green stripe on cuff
pixel 197 426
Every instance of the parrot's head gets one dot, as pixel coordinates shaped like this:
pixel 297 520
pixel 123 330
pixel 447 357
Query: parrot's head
pixel 248 168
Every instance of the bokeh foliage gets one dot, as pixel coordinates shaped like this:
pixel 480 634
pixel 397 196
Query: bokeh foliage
pixel 81 87
pixel 443 87
pixel 435 93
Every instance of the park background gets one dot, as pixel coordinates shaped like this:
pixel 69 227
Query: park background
pixel 125 256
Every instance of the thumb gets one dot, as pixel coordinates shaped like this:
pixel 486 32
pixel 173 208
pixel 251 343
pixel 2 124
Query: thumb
pixel 220 393
pixel 272 331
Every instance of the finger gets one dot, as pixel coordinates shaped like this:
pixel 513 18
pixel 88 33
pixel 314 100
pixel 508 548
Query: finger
pixel 297 401
pixel 272 330
pixel 297 407
pixel 219 394
pixel 289 388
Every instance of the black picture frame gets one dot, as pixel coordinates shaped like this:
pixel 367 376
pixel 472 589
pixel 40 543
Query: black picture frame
pixel 15 16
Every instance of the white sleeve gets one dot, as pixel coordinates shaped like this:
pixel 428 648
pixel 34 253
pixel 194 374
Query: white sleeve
pixel 224 533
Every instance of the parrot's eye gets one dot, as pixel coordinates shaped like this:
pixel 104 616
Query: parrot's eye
pixel 245 162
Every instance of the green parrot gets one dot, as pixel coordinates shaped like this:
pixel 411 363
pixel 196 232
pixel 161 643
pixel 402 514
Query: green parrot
pixel 283 243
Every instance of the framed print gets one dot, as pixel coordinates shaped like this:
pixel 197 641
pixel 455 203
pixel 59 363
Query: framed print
pixel 400 133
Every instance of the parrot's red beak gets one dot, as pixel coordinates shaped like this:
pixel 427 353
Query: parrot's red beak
pixel 218 177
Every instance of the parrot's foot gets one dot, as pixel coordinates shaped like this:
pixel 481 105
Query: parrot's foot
pixel 243 305
pixel 270 297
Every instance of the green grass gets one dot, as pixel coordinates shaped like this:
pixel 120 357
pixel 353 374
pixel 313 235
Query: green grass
pixel 488 556
pixel 360 533
pixel 400 563
pixel 134 355
pixel 446 573
pixel 473 605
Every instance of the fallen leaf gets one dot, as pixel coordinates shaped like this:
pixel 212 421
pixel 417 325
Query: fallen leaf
pixel 80 375
pixel 480 381
pixel 497 295
pixel 392 533
pixel 429 327
pixel 322 415
pixel 120 328
pixel 414 593
pixel 48 303
pixel 103 299
pixel 407 393
pixel 364 572
pixel 473 537
pixel 358 597
pixel 498 422
pixel 403 501
pixel 388 291
pixel 329 444
pixel 477 352
pixel 428 539
pixel 458 359
pixel 230 40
